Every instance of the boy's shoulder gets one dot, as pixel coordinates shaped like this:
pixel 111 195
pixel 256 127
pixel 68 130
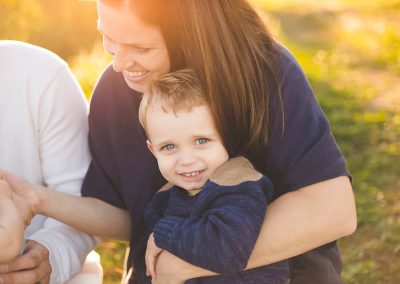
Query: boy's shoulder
pixel 234 172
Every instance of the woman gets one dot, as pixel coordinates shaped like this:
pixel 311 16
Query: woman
pixel 250 80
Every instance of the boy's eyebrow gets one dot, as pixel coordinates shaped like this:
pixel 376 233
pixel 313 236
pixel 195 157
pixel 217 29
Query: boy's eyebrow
pixel 205 135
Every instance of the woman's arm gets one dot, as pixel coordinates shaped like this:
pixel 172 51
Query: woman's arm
pixel 87 214
pixel 295 223
pixel 305 219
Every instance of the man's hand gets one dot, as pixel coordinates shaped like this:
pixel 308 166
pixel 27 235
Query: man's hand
pixel 30 268
pixel 152 253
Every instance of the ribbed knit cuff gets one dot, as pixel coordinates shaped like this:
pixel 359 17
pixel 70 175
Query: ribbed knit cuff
pixel 164 231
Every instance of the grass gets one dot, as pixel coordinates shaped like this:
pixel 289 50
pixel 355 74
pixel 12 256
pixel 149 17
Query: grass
pixel 350 51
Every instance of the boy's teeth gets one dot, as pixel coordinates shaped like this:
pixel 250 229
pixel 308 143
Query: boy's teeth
pixel 192 174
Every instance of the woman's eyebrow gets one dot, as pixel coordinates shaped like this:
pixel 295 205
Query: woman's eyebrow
pixel 134 45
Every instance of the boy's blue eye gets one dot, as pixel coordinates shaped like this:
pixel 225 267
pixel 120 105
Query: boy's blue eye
pixel 168 147
pixel 201 141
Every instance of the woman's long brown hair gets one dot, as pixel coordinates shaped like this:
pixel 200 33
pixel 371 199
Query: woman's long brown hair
pixel 226 43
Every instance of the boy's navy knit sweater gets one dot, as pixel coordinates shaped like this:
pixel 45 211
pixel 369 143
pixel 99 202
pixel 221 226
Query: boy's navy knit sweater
pixel 217 228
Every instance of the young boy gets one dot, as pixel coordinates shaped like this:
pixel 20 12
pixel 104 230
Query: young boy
pixel 12 225
pixel 211 211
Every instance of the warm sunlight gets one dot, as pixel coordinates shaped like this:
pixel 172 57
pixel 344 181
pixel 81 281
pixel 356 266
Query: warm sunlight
pixel 350 52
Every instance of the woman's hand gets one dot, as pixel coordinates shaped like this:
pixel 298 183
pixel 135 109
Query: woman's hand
pixel 20 205
pixel 5 190
pixel 169 269
pixel 28 198
pixel 173 270
pixel 152 253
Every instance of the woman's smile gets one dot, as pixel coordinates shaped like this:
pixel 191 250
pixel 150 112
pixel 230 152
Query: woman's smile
pixel 135 76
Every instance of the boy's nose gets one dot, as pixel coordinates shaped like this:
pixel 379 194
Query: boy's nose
pixel 187 158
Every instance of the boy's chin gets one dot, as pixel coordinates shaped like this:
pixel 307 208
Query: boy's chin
pixel 193 191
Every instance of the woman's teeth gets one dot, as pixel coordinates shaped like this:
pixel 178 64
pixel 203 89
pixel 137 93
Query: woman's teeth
pixel 136 74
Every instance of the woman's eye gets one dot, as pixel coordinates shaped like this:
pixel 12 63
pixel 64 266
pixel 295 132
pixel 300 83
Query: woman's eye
pixel 201 141
pixel 108 45
pixel 141 50
pixel 168 147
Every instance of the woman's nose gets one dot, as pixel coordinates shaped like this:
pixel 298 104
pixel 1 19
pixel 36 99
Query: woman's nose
pixel 121 60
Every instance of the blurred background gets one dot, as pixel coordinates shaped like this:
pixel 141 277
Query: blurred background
pixel 350 51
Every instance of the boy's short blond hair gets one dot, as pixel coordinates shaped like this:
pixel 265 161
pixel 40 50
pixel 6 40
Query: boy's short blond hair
pixel 176 91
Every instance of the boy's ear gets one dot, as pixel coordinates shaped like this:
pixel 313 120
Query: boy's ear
pixel 149 146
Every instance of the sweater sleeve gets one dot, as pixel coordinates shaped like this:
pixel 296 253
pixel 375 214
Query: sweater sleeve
pixel 223 236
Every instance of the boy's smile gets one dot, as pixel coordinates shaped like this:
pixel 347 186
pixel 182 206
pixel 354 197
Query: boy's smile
pixel 186 144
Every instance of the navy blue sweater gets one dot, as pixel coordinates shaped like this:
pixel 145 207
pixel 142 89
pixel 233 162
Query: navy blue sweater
pixel 217 228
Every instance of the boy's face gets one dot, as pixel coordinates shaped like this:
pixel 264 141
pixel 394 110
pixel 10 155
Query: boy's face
pixel 187 145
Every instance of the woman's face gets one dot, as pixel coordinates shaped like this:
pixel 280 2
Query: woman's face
pixel 138 49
